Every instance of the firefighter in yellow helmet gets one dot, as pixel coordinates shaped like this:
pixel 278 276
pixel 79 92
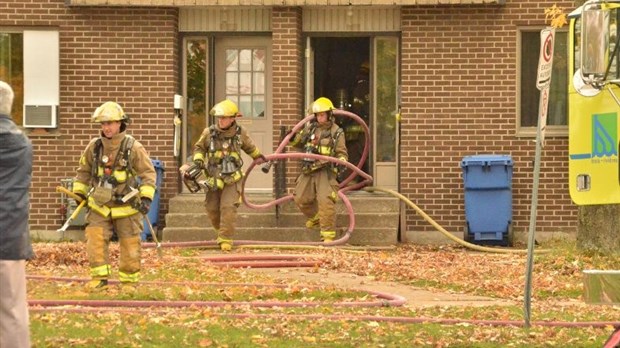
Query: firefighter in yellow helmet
pixel 117 177
pixel 218 152
pixel 316 189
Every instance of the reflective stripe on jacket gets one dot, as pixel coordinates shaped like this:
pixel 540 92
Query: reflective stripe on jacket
pixel 237 137
pixel 139 162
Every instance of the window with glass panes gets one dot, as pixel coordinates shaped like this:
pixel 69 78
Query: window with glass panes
pixel 245 80
pixel 558 93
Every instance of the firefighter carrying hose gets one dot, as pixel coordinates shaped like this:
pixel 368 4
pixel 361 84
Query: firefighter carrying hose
pixel 218 154
pixel 317 187
pixel 116 176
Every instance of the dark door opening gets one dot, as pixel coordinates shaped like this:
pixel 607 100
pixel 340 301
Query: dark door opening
pixel 342 74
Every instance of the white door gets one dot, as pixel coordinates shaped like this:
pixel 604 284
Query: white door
pixel 243 75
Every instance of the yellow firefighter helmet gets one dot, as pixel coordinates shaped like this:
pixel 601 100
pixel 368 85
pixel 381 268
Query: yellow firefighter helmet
pixel 321 105
pixel 109 112
pixel 225 108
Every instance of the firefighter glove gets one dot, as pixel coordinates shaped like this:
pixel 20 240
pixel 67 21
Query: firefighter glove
pixel 198 162
pixel 145 205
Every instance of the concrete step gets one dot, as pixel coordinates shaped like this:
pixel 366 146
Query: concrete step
pixel 376 216
pixel 362 202
pixel 261 219
pixel 360 236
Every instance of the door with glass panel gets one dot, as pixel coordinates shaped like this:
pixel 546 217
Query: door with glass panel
pixel 386 111
pixel 242 74
pixel 195 112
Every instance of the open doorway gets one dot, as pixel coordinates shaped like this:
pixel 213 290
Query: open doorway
pixel 342 74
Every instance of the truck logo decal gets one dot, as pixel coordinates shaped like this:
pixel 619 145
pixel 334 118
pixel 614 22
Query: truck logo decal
pixel 604 137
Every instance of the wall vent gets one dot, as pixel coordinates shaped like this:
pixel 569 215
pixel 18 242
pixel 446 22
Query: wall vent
pixel 40 116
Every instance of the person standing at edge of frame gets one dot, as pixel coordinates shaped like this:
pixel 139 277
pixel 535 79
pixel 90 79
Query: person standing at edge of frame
pixel 15 245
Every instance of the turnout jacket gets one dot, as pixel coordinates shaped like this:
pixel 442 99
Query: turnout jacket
pixel 215 144
pixel 15 178
pixel 126 172
pixel 323 139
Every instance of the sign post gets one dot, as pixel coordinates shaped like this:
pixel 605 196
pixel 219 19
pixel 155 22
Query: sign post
pixel 543 108
pixel 545 64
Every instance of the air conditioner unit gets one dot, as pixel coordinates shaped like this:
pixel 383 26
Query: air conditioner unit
pixel 40 116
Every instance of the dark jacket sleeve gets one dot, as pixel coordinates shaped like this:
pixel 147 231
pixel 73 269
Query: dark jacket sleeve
pixel 15 178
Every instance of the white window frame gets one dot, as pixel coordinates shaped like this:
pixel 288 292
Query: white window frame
pixel 530 131
pixel 41 69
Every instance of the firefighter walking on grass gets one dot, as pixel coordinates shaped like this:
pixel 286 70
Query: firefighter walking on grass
pixel 218 152
pixel 116 176
pixel 317 187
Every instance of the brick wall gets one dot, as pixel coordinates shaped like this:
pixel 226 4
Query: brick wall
pixel 459 98
pixel 459 75
pixel 288 70
pixel 127 55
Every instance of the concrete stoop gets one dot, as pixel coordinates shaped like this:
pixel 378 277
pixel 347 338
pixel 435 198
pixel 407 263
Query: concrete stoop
pixel 376 220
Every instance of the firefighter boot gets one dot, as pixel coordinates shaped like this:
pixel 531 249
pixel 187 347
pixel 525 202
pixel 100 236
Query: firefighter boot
pixel 97 284
pixel 313 221
pixel 225 244
pixel 328 236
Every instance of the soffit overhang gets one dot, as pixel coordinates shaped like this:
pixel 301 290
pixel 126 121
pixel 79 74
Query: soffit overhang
pixel 275 3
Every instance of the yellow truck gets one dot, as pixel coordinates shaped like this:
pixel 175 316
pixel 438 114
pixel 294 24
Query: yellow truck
pixel 593 96
pixel 594 104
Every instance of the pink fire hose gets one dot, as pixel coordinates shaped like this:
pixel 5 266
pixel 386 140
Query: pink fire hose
pixel 279 155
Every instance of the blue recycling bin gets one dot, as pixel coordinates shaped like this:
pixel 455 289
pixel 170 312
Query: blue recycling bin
pixel 488 198
pixel 154 211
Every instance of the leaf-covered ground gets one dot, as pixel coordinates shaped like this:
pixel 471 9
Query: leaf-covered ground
pixel 311 314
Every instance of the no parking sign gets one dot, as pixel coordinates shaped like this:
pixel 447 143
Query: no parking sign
pixel 545 65
pixel 545 60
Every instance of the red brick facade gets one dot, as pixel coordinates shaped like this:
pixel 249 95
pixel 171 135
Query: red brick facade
pixel 288 73
pixel 459 92
pixel 126 55
pixel 459 73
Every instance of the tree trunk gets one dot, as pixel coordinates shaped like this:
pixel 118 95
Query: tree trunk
pixel 599 228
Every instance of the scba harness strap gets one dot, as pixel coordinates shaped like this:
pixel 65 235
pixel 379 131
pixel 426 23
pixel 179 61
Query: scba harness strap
pixel 125 149
pixel 310 166
pixel 225 162
pixel 236 139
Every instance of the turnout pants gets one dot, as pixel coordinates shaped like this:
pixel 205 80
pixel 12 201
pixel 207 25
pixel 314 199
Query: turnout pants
pixel 221 206
pixel 317 193
pixel 98 234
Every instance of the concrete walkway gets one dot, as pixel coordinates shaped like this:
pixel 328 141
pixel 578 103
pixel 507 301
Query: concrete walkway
pixel 416 297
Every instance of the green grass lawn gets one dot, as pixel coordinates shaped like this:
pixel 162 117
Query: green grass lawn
pixel 236 320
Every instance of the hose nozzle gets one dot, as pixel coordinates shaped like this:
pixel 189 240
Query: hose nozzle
pixel 266 167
